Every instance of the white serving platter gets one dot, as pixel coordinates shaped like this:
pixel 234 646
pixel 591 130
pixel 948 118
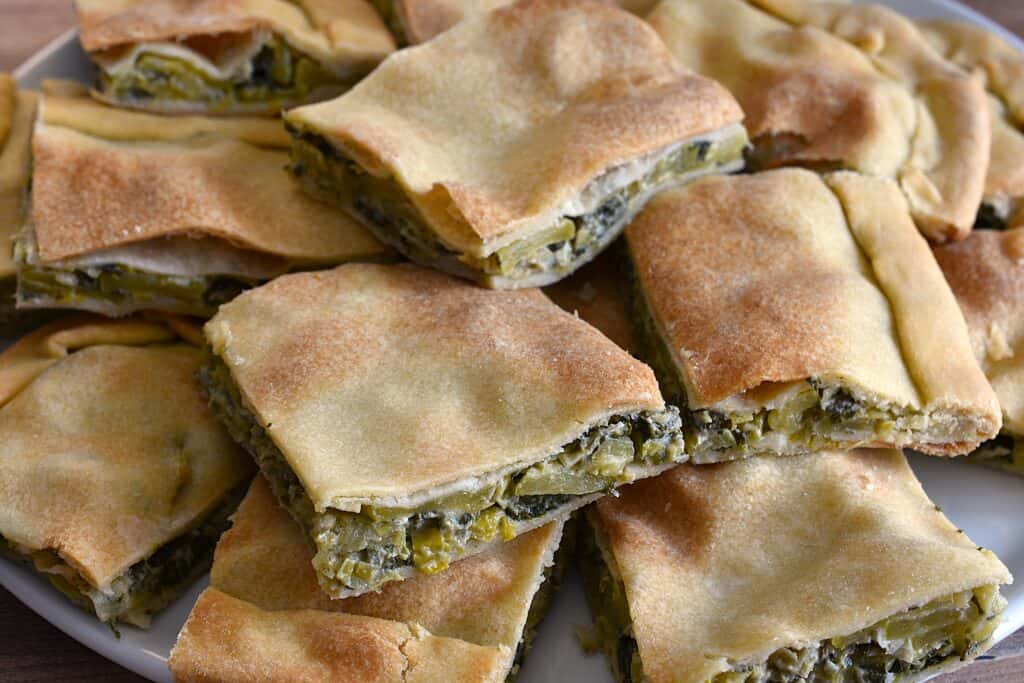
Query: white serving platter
pixel 986 504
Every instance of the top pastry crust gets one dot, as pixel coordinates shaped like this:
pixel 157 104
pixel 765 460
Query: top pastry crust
pixel 953 132
pixel 1002 67
pixel 17 111
pixel 423 19
pixel 342 35
pixel 309 645
pixel 378 383
pixel 265 559
pixel 490 129
pixel 986 272
pixel 821 279
pixel 96 432
pixel 774 552
pixel 106 178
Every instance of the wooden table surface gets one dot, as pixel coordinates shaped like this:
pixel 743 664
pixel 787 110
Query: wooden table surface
pixel 31 650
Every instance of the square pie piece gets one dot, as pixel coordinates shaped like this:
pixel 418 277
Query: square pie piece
pixel 1001 65
pixel 826 567
pixel 17 112
pixel 229 56
pixel 788 313
pixel 133 211
pixel 896 109
pixel 986 273
pixel 115 478
pixel 493 600
pixel 513 148
pixel 406 418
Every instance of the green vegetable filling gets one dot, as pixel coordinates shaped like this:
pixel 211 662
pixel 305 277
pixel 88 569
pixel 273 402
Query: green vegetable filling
pixel 150 584
pixel 362 551
pixel 117 284
pixel 277 75
pixel 556 251
pixel 819 415
pixel 951 628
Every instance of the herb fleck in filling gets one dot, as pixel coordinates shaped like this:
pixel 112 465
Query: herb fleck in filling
pixel 276 75
pixel 361 551
pixel 894 649
pixel 537 259
pixel 818 415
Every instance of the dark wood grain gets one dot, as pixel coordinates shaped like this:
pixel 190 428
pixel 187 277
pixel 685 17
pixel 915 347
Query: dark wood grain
pixel 33 651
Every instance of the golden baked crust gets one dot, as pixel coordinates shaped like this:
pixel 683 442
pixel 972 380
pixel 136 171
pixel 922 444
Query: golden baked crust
pixel 1002 67
pixel 110 451
pixel 265 559
pixel 598 294
pixel 784 276
pixel 17 111
pixel 767 553
pixel 342 35
pixel 421 20
pixel 986 273
pixel 380 382
pixel 106 178
pixel 490 129
pixel 944 175
pixel 227 640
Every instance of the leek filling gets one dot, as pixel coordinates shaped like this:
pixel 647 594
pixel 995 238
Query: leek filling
pixel 277 74
pixel 361 551
pixel 817 414
pixel 147 586
pixel 545 256
pixel 951 628
pixel 1005 452
pixel 120 285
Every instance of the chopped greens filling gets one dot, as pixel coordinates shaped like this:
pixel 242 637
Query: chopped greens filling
pixel 114 284
pixel 900 647
pixel 539 258
pixel 277 75
pixel 117 285
pixel 816 415
pixel 361 551
pixel 150 584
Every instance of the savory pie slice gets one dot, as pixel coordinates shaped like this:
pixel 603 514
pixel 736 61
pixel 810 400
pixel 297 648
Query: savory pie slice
pixel 826 567
pixel 894 110
pixel 231 641
pixel 115 478
pixel 1002 67
pixel 133 211
pixel 17 111
pixel 599 294
pixel 485 154
pixel 785 313
pixel 495 599
pixel 986 273
pixel 407 419
pixel 229 56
